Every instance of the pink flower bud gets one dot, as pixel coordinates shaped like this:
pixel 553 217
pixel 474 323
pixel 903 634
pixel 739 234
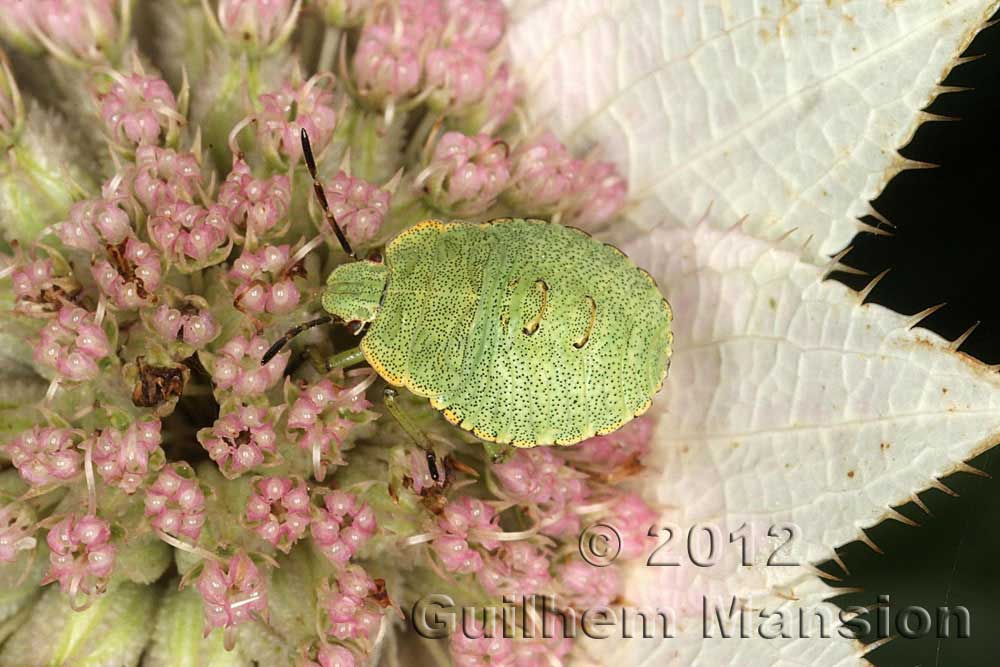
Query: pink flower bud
pixel 348 605
pixel 480 23
pixel 93 223
pixel 332 655
pixel 489 113
pixel 263 281
pixel 39 291
pixel 138 109
pixel 233 594
pixel 163 176
pixel 195 327
pixel 188 231
pixel 82 557
pixel 466 174
pixel 286 112
pixel 387 63
pixel 130 275
pixel 241 440
pixel 175 504
pixel 72 344
pixel 632 518
pixel 470 647
pixel 237 367
pixel 458 73
pixel 359 207
pixel 342 527
pixel 517 568
pixel 17 525
pixel 279 511
pixel 257 23
pixel 546 177
pixel 254 205
pixel 624 448
pixel 83 29
pixel 122 457
pixel 456 555
pixel 601 195
pixel 326 414
pixel 588 586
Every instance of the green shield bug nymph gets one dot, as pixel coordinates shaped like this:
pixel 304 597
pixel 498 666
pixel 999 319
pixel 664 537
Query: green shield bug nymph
pixel 523 332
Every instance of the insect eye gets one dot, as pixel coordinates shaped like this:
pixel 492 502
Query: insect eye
pixel 355 327
pixel 375 256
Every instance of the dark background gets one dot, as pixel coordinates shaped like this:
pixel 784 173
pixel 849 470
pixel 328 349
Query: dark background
pixel 944 249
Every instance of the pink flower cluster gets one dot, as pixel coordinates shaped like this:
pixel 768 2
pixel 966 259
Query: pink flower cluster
pixel 237 367
pixel 473 646
pixel 466 521
pixel 164 176
pixel 253 206
pixel 539 477
pixel 121 457
pixel 242 440
pixel 187 231
pixel 278 510
pixel 232 594
pixel 321 414
pixel 342 527
pixel 45 455
pixel 139 109
pixel 94 223
pixel 263 281
pixel 196 327
pixel 129 275
pixel 547 179
pixel 17 525
pixel 287 111
pixel 72 344
pixel 517 568
pixel 359 207
pixel 39 290
pixel 75 29
pixel 81 554
pixel 348 604
pixel 466 174
pixel 256 22
pixel 175 503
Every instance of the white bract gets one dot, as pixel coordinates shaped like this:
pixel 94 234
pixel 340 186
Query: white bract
pixel 789 400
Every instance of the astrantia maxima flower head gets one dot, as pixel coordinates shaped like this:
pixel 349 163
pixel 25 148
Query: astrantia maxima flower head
pixel 138 109
pixel 72 344
pixel 466 174
pixel 122 456
pixel 81 555
pixel 44 455
pixel 242 440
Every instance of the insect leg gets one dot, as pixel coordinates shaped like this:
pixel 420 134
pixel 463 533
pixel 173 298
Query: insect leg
pixel 321 195
pixel 290 334
pixel 345 359
pixel 411 429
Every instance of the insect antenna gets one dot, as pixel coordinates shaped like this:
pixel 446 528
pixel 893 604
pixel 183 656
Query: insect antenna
pixel 321 195
pixel 292 333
